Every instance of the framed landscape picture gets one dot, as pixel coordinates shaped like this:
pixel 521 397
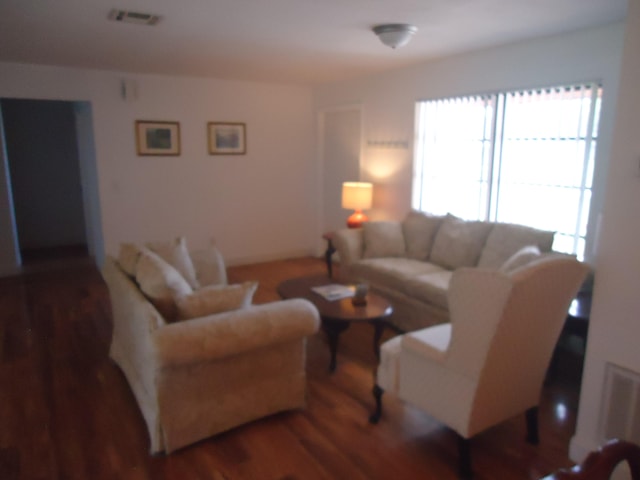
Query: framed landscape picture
pixel 227 138
pixel 157 137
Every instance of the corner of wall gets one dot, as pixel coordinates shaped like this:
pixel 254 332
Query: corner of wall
pixel 580 447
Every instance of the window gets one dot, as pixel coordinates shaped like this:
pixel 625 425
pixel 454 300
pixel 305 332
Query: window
pixel 522 157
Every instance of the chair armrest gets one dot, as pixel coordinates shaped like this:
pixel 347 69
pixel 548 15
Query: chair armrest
pixel 236 332
pixel 349 243
pixel 603 462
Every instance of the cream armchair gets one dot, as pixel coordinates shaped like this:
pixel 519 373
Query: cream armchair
pixel 489 363
pixel 195 378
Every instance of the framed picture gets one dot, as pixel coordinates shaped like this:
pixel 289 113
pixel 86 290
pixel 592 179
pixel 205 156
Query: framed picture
pixel 157 137
pixel 227 138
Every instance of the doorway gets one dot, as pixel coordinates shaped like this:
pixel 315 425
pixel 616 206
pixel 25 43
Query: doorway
pixel 340 140
pixel 44 163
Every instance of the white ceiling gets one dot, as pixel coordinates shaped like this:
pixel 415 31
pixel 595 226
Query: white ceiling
pixel 292 41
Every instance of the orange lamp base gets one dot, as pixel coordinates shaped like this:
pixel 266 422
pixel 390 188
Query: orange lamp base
pixel 357 219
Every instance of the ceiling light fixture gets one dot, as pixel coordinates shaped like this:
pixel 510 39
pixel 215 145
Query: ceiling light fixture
pixel 395 34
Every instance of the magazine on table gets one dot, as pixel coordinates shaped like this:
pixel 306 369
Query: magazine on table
pixel 335 291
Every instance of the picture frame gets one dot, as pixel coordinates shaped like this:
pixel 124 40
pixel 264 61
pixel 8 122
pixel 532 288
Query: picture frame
pixel 157 137
pixel 227 138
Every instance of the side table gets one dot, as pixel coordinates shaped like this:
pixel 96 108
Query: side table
pixel 576 324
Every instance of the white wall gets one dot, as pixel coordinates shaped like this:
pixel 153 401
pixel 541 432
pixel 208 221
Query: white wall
pixel 614 331
pixel 256 206
pixel 388 100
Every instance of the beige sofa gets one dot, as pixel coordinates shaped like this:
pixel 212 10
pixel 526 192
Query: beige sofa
pixel 411 261
pixel 195 378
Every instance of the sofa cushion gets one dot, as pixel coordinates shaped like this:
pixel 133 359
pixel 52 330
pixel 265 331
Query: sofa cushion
pixel 506 239
pixel 383 239
pixel 459 243
pixel 390 272
pixel 419 230
pixel 215 299
pixel 176 254
pixel 160 282
pixel 128 258
pixel 210 266
pixel 522 257
pixel 430 287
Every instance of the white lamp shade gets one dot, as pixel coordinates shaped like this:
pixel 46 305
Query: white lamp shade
pixel 357 195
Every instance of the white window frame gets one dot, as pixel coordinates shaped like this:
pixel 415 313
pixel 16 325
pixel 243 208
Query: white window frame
pixel 572 239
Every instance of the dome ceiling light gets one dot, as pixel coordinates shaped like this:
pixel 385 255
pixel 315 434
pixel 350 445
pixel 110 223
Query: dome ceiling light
pixel 395 34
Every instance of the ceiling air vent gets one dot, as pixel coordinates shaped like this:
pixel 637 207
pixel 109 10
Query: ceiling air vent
pixel 133 17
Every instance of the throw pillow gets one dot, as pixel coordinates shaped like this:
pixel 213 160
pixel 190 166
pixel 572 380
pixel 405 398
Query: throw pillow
pixel 522 257
pixel 128 258
pixel 160 282
pixel 419 230
pixel 215 299
pixel 506 239
pixel 210 267
pixel 458 243
pixel 176 254
pixel 383 239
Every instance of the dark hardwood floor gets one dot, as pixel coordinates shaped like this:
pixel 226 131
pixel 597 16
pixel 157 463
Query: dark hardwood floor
pixel 66 411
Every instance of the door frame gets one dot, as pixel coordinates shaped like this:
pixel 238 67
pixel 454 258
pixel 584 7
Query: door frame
pixel 320 133
pixel 85 141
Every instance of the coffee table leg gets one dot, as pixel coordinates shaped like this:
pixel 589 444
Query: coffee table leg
pixel 333 348
pixel 333 329
pixel 327 256
pixel 377 335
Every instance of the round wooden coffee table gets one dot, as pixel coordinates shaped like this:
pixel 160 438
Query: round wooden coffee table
pixel 337 315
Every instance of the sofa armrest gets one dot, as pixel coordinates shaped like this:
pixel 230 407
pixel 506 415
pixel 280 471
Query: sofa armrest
pixel 235 332
pixel 349 243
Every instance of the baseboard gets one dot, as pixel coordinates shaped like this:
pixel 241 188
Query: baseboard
pixel 270 257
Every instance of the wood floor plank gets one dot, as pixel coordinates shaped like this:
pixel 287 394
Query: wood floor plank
pixel 67 412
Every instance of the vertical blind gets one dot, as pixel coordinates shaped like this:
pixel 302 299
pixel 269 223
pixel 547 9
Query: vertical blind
pixel 523 157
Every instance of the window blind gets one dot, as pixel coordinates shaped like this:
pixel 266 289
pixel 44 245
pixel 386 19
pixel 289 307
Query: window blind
pixel 523 157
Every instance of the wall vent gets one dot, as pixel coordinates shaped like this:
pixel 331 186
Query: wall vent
pixel 620 415
pixel 133 17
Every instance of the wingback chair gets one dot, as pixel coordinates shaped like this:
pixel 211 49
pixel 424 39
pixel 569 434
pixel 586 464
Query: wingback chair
pixel 488 364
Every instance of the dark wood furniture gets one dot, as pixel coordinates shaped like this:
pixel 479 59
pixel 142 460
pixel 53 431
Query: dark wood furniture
pixel 338 315
pixel 576 324
pixel 329 252
pixel 600 465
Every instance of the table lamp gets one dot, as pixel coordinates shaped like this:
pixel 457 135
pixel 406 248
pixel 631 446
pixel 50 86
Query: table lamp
pixel 356 196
